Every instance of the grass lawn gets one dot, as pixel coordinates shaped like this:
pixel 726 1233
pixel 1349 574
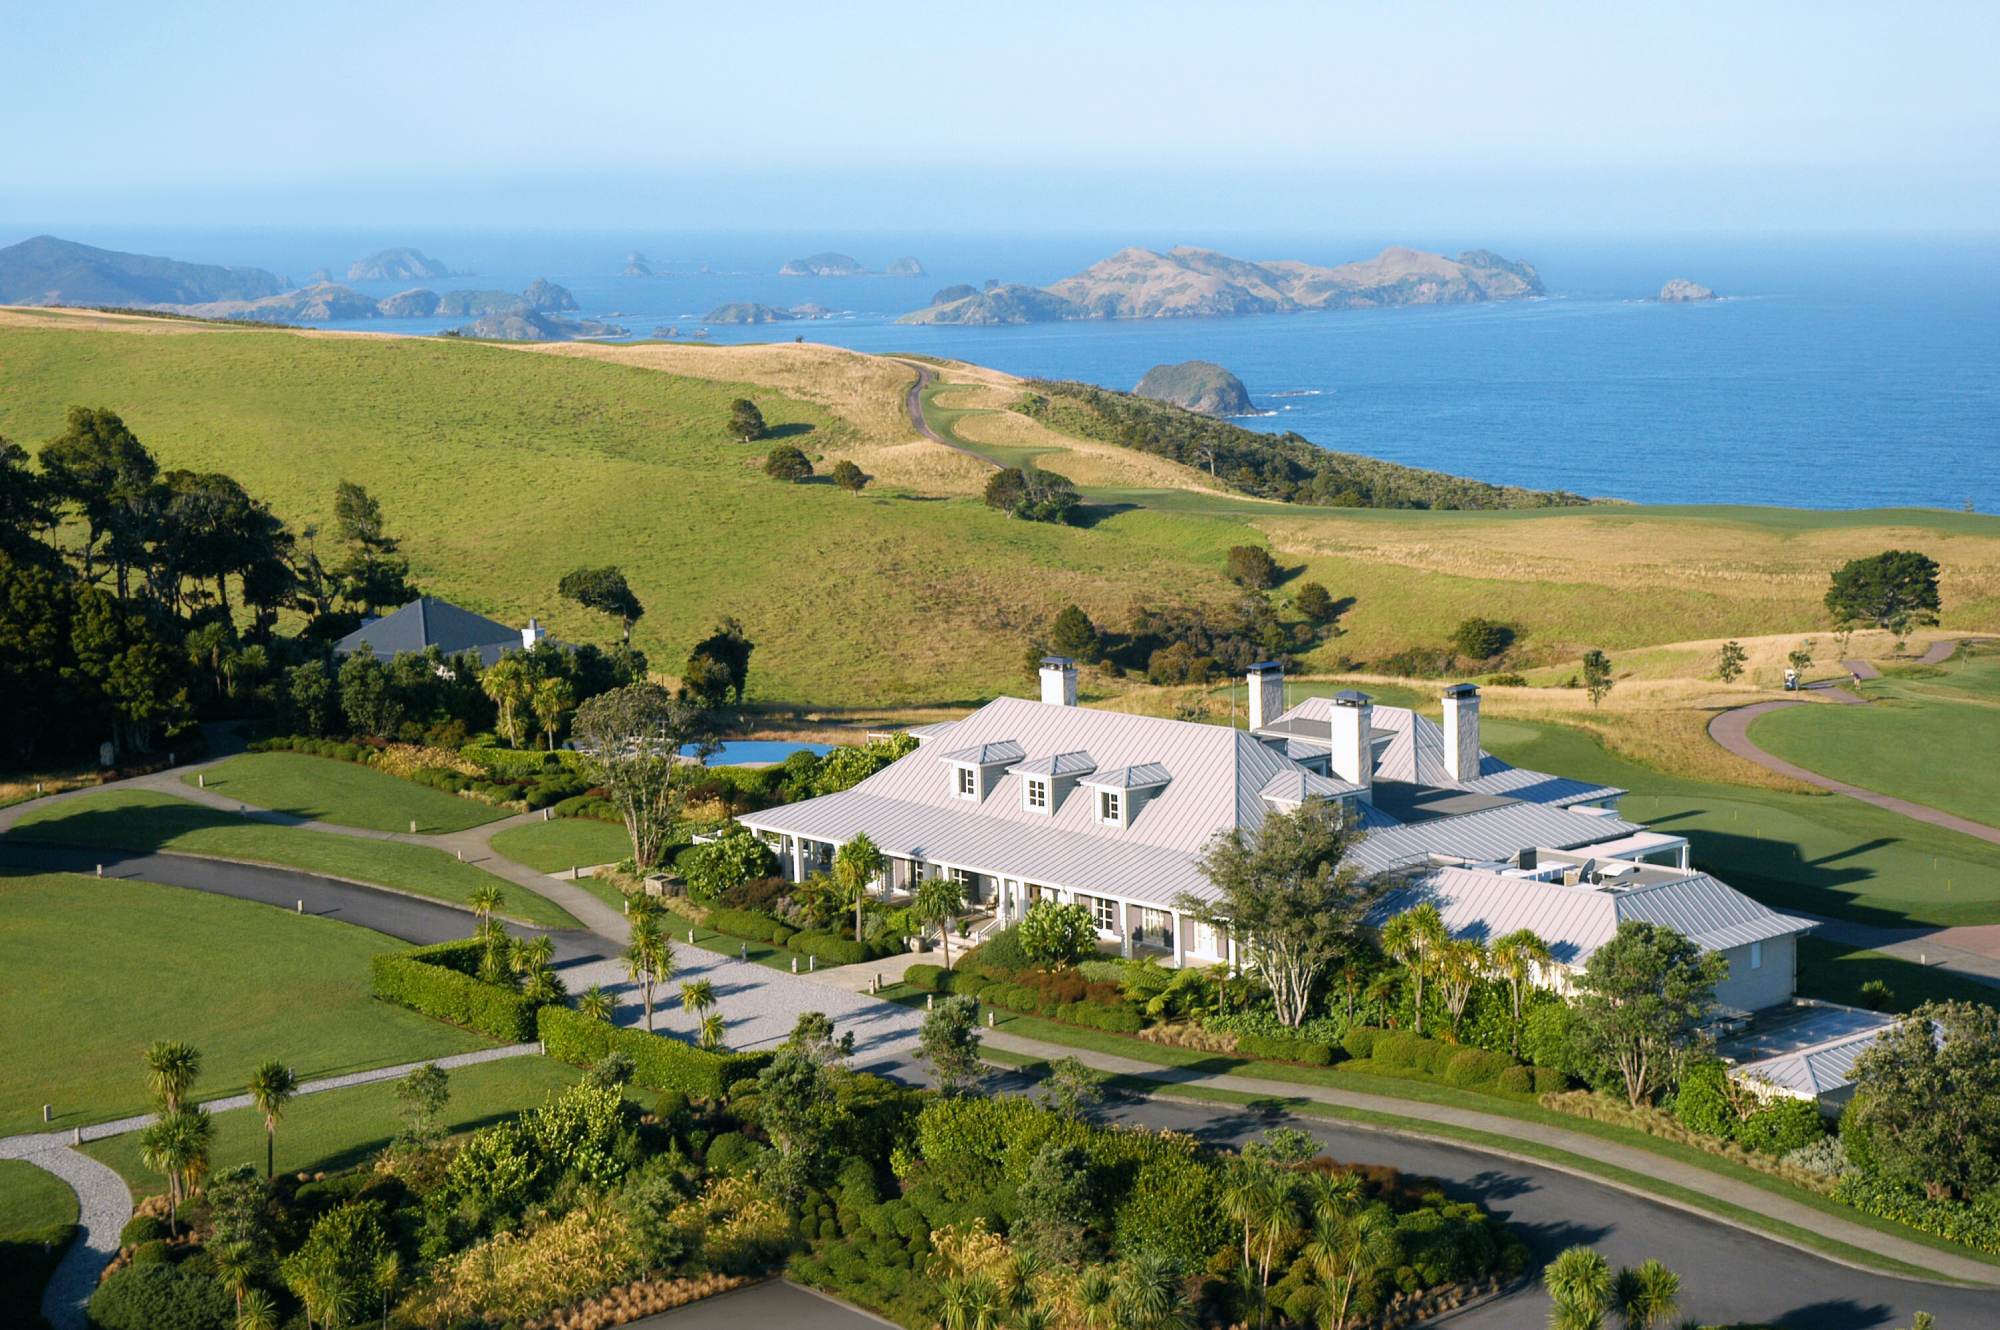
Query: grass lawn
pixel 37 1212
pixel 1920 739
pixel 340 1128
pixel 142 820
pixel 1836 973
pixel 344 793
pixel 103 968
pixel 563 843
pixel 1823 854
pixel 481 455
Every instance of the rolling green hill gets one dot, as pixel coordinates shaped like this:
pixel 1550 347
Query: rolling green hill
pixel 499 469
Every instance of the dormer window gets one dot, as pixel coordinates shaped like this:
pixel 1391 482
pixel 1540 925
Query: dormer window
pixel 1035 794
pixel 966 782
pixel 1111 808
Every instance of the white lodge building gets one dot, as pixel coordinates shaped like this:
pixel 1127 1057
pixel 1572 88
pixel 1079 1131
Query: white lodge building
pixel 1025 801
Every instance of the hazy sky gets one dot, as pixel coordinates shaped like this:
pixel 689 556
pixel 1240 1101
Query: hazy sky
pixel 1828 116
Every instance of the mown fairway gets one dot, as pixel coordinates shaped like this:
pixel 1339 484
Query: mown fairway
pixel 91 972
pixel 1814 852
pixel 142 820
pixel 343 793
pixel 500 469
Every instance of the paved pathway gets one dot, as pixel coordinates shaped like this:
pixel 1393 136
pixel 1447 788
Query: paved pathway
pixel 1645 1163
pixel 1862 669
pixel 104 1202
pixel 913 402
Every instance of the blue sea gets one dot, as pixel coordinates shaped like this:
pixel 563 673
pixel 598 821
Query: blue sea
pixel 1836 373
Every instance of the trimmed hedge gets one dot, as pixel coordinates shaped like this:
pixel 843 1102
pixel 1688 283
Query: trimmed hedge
pixel 752 924
pixel 930 978
pixel 1284 1048
pixel 433 980
pixel 1360 1041
pixel 833 949
pixel 660 1062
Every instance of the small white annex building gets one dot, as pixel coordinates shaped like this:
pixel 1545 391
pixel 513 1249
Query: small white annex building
pixel 1030 800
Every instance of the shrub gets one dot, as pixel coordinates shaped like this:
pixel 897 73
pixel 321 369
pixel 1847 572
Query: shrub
pixel 659 1063
pixel 156 1252
pixel 1000 955
pixel 1702 1101
pixel 732 1152
pixel 1974 1225
pixel 752 924
pixel 1782 1126
pixel 1481 639
pixel 1471 1067
pixel 1399 1050
pixel 1283 1048
pixel 730 860
pixel 1056 934
pixel 1550 1081
pixel 1517 1079
pixel 141 1228
pixel 786 462
pixel 160 1297
pixel 1360 1041
pixel 833 949
pixel 431 980
pixel 1251 566
pixel 930 978
pixel 1113 1020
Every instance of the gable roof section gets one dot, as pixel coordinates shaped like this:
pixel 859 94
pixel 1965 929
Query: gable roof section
pixel 990 754
pixel 1057 764
pixel 1576 920
pixel 1144 776
pixel 1214 775
pixel 429 622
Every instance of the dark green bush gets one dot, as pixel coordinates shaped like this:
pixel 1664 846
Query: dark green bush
pixel 160 1297
pixel 155 1252
pixel 1548 1080
pixel 430 980
pixel 142 1228
pixel 752 924
pixel 1472 1067
pixel 1285 1048
pixel 1359 1041
pixel 659 1062
pixel 1517 1080
pixel 732 1152
pixel 1782 1126
pixel 999 955
pixel 832 948
pixel 929 978
pixel 1702 1102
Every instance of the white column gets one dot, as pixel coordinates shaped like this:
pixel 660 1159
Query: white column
pixel 1125 930
pixel 1232 951
pixel 1180 942
pixel 798 859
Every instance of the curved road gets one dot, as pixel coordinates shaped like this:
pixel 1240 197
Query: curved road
pixel 913 402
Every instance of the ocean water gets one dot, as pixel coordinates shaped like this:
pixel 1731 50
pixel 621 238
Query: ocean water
pixel 1843 373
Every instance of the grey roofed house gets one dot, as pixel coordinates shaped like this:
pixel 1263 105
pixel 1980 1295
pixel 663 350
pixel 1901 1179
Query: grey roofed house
pixel 1029 800
pixel 429 622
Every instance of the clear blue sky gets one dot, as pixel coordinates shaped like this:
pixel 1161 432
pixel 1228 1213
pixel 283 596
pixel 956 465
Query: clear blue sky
pixel 1831 116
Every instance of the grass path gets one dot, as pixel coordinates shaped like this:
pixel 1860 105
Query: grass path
pixel 137 819
pixel 321 789
pixel 103 968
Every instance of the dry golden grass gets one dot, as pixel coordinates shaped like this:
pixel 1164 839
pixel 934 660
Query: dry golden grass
pixel 1085 461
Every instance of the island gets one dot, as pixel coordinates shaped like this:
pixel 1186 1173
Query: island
pixel 544 295
pixel 474 303
pixel 1197 385
pixel 1187 282
pixel 746 311
pixel 1680 291
pixel 322 302
pixel 636 265
pixel 418 303
pixel 522 324
pixel 823 265
pixel 905 267
pixel 950 294
pixel 47 270
pixel 403 264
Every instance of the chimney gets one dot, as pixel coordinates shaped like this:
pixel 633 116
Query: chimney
pixel 1461 732
pixel 1267 693
pixel 1353 747
pixel 1058 681
pixel 531 634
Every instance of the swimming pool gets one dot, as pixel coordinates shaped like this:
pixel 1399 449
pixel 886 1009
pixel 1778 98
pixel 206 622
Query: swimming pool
pixel 737 752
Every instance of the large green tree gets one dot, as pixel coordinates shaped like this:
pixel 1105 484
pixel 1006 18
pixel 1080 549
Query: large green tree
pixel 100 467
pixel 1927 1100
pixel 718 667
pixel 1640 1004
pixel 1896 590
pixel 631 738
pixel 606 591
pixel 1289 897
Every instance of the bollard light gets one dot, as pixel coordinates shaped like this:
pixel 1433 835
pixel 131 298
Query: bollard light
pixel 795 965
pixel 301 907
pixel 743 951
pixel 812 962
pixel 989 1018
pixel 100 870
pixel 48 1113
pixel 930 1001
pixel 690 937
pixel 413 826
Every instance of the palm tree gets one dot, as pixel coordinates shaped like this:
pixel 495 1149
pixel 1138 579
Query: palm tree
pixel 856 864
pixel 544 985
pixel 234 1263
pixel 712 1030
pixel 1579 1285
pixel 1149 1295
pixel 649 959
pixel 256 1311
pixel 1276 1219
pixel 697 996
pixel 939 900
pixel 1517 957
pixel 171 1070
pixel 485 902
pixel 1460 963
pixel 507 682
pixel 969 1302
pixel 1648 1298
pixel 532 954
pixel 551 699
pixel 272 1086
pixel 1414 938
pixel 599 1003
pixel 176 1147
pixel 387 1276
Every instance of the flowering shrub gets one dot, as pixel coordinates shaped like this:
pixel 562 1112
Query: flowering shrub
pixel 513 1276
